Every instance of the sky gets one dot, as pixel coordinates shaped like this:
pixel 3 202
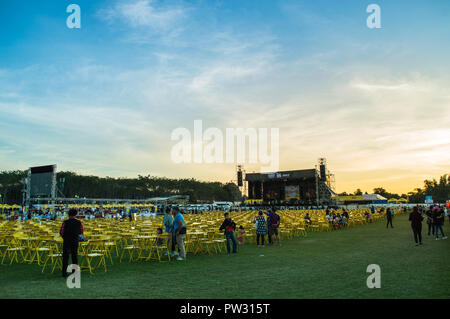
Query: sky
pixel 104 99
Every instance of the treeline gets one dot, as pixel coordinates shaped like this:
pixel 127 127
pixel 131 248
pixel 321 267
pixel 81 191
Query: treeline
pixel 149 186
pixel 143 187
pixel 440 190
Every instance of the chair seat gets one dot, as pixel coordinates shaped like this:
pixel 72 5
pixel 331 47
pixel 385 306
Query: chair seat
pixel 94 255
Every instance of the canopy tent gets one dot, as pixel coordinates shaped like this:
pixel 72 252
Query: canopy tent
pixel 397 200
pixel 365 198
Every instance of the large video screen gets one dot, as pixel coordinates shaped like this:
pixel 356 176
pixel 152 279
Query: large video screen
pixel 292 192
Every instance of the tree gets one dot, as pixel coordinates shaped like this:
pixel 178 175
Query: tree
pixel 381 191
pixel 142 187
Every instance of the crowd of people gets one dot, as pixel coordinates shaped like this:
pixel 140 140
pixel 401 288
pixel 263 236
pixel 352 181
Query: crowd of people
pixel 435 216
pixel 266 223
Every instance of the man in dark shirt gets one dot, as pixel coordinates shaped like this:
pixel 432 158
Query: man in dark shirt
pixel 416 224
pixel 229 226
pixel 273 222
pixel 70 231
pixel 389 214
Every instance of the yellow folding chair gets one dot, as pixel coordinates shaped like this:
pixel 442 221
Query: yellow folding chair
pixel 14 250
pixel 93 254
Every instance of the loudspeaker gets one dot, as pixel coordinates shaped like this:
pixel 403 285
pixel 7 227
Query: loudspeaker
pixel 42 181
pixel 239 178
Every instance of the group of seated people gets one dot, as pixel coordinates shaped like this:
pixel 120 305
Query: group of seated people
pixel 337 220
pixel 368 216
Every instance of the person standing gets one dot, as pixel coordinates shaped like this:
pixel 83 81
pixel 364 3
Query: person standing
pixel 179 229
pixel 261 228
pixel 241 233
pixel 273 222
pixel 447 213
pixel 70 231
pixel 168 228
pixel 438 220
pixel 229 226
pixel 389 214
pixel 416 224
pixel 429 214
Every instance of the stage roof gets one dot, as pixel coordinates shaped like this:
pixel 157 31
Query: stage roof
pixel 297 174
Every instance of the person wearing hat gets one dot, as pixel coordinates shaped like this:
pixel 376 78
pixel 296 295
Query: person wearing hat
pixel 70 231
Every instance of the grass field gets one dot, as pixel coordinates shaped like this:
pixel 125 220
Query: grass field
pixel 323 265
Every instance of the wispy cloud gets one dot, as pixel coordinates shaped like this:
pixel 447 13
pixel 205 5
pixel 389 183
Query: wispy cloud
pixel 375 87
pixel 146 14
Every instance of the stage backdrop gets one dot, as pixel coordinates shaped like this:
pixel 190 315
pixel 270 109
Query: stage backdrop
pixel 292 192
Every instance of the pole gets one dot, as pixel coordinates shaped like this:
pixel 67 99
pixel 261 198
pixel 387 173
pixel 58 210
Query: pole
pixel 317 189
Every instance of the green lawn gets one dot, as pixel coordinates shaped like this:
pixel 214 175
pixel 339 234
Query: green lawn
pixel 323 265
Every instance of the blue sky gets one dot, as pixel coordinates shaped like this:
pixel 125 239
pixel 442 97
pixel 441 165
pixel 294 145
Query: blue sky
pixel 104 99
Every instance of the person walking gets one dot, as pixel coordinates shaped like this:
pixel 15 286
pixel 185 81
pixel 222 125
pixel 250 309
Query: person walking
pixel 229 226
pixel 416 224
pixel 70 231
pixel 261 228
pixel 438 220
pixel 179 229
pixel 389 214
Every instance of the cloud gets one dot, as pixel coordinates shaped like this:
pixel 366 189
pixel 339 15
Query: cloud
pixel 376 87
pixel 113 114
pixel 145 14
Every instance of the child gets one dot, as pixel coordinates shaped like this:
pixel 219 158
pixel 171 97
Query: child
pixel 241 233
pixel 159 241
pixel 336 222
pixel 344 221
